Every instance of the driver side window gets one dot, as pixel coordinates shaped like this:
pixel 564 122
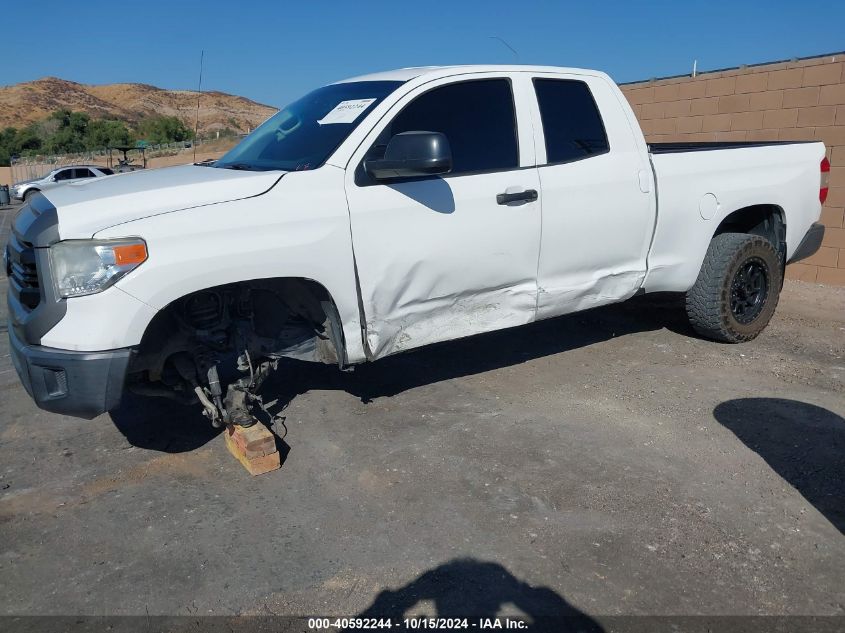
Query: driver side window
pixel 65 174
pixel 477 116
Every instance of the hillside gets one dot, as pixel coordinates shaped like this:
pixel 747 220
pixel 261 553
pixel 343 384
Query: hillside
pixel 28 102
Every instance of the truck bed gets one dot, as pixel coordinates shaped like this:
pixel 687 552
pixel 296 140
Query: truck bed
pixel 697 185
pixel 670 148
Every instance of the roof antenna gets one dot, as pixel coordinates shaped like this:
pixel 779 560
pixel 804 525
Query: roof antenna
pixel 197 121
pixel 512 49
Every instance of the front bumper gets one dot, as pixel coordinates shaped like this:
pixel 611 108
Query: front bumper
pixel 810 244
pixel 18 192
pixel 80 384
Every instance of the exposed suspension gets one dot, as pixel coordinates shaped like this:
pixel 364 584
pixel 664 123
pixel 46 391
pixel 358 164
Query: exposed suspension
pixel 218 346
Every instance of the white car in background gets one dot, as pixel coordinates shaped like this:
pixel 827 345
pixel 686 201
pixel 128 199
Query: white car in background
pixel 27 188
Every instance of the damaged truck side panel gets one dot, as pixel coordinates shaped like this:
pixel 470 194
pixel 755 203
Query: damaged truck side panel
pixel 440 259
pixel 298 230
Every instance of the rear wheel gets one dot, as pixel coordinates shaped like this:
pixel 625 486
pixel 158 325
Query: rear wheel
pixel 737 289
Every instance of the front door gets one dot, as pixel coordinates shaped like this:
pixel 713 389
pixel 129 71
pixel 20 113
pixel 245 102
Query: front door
pixel 440 258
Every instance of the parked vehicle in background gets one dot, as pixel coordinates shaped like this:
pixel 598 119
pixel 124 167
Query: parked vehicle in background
pixel 26 188
pixel 387 212
pixel 125 165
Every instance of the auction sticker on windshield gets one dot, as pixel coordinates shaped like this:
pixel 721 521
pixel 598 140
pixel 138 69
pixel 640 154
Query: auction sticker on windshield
pixel 346 111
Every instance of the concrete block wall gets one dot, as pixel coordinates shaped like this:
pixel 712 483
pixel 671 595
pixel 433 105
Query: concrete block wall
pixel 795 100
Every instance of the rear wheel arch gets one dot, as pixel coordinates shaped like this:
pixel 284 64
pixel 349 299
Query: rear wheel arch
pixel 766 220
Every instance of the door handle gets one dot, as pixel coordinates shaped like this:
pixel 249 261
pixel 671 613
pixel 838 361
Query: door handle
pixel 529 195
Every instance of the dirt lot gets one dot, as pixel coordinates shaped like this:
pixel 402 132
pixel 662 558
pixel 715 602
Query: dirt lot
pixel 608 463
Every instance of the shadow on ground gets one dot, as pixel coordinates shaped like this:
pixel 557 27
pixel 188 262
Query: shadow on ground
pixel 482 353
pixel 164 425
pixel 801 442
pixel 468 588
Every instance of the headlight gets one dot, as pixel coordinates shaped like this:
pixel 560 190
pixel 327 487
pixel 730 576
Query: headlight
pixel 85 267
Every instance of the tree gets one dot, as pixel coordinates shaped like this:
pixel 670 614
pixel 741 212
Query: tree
pixel 164 129
pixel 108 133
pixel 27 139
pixel 65 131
pixel 15 142
pixel 7 141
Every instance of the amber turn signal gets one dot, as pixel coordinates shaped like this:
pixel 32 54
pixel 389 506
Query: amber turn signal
pixel 130 254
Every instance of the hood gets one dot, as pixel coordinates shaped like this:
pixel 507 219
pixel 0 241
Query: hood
pixel 89 206
pixel 27 182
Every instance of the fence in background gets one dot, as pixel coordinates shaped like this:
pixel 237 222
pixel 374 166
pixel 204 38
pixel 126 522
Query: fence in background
pixel 28 167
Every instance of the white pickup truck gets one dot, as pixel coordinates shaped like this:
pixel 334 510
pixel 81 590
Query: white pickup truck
pixel 390 211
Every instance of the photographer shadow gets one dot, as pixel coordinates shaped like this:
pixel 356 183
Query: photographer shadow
pixel 468 588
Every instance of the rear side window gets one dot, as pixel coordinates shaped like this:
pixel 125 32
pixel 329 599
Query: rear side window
pixel 572 124
pixel 477 117
pixel 83 172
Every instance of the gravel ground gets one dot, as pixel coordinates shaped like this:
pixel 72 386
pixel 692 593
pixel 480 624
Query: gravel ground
pixel 603 463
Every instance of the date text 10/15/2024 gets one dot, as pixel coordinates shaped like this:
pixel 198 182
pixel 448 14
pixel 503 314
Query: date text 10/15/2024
pixel 414 624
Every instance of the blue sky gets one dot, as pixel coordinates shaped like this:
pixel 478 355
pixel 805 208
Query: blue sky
pixel 275 51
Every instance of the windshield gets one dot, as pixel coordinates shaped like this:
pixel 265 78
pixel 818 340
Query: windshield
pixel 304 134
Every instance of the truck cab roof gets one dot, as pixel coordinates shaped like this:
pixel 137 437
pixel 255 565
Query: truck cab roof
pixel 434 72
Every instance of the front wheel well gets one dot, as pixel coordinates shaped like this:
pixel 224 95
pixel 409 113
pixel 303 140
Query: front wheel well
pixel 267 318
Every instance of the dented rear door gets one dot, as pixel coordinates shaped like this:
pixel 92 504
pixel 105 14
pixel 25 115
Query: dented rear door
pixel 598 199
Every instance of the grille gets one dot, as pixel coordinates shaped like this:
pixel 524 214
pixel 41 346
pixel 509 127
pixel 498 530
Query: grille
pixel 23 273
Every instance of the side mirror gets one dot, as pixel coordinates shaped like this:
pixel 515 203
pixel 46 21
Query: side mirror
pixel 412 154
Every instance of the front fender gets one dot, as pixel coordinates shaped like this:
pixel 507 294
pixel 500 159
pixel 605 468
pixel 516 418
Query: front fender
pixel 300 229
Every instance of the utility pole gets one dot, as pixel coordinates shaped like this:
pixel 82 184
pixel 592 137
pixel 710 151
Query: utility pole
pixel 197 121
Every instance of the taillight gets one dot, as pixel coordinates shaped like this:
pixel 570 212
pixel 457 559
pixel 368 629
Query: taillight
pixel 825 179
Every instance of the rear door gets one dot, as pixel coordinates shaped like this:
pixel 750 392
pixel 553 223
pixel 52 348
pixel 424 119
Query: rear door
pixel 440 258
pixel 598 207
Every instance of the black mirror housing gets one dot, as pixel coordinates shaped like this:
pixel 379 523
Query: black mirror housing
pixel 412 154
